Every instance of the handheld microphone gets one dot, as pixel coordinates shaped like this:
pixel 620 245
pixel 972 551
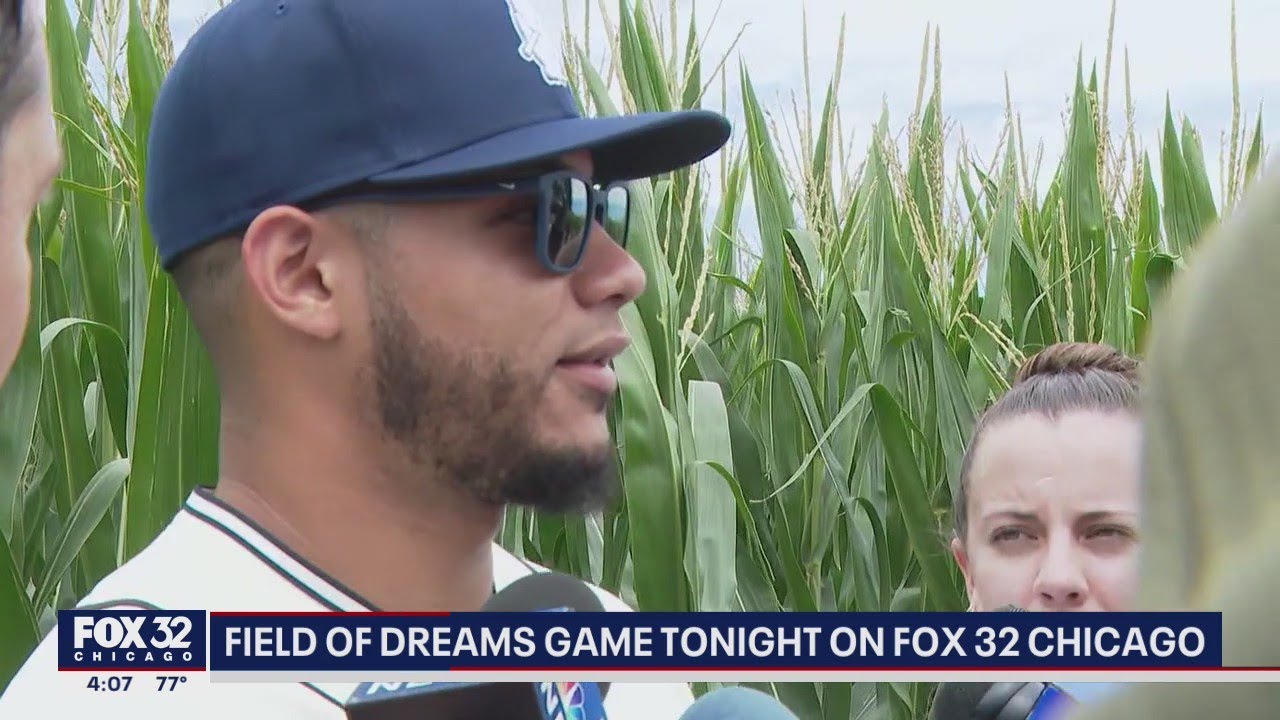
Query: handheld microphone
pixel 483 700
pixel 737 703
pixel 1001 701
pixel 547 591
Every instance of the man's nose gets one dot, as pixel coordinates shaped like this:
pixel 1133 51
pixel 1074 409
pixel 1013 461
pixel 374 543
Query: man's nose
pixel 608 273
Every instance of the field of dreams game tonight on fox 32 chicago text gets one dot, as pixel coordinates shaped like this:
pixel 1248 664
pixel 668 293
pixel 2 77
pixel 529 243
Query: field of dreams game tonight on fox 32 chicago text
pixel 160 651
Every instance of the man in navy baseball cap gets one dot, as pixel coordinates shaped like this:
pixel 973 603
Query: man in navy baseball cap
pixel 405 252
pixel 404 249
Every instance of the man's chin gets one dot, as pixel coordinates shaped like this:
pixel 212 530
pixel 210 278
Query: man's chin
pixel 565 480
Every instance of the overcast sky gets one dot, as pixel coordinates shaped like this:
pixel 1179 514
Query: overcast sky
pixel 1177 48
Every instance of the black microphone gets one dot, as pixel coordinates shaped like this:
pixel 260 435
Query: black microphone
pixel 547 591
pixel 1002 700
pixel 737 703
pixel 484 700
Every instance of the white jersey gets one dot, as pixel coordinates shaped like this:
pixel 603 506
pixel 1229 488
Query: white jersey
pixel 212 558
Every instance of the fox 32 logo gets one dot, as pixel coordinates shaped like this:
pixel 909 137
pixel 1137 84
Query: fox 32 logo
pixel 131 640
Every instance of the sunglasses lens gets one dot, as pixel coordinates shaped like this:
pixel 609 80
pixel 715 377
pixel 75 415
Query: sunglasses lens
pixel 568 221
pixel 617 214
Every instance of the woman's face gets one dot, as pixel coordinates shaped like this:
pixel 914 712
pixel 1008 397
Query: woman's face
pixel 1053 514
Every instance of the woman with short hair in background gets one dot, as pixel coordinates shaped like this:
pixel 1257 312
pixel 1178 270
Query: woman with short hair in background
pixel 29 159
pixel 1046 512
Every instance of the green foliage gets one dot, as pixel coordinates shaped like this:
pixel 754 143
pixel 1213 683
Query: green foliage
pixel 795 405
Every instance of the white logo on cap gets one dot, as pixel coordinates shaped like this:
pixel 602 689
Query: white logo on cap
pixel 536 45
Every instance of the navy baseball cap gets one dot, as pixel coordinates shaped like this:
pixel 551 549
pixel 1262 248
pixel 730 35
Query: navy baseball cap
pixel 277 102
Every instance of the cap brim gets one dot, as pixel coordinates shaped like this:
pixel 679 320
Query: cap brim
pixel 623 147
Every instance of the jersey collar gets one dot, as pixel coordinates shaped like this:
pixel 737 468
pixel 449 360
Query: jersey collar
pixel 203 506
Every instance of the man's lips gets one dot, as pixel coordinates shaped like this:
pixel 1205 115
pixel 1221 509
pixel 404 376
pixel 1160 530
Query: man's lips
pixel 599 352
pixel 589 366
pixel 594 375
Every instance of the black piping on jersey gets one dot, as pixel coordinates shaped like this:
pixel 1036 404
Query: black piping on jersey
pixel 311 592
pixel 297 582
pixel 206 494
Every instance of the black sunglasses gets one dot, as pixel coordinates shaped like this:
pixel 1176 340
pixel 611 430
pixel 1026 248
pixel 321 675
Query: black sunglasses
pixel 568 203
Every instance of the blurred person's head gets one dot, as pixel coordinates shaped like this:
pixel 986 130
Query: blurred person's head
pixel 29 156
pixel 1210 496
pixel 1046 510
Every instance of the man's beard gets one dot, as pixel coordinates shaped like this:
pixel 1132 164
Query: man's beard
pixel 468 419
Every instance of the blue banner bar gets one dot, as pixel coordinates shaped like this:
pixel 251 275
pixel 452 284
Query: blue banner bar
pixel 710 641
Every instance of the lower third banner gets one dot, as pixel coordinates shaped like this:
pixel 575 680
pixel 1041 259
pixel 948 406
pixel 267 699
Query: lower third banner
pixel 246 643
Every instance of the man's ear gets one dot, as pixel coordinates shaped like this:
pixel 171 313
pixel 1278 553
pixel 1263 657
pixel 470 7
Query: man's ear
pixel 291 266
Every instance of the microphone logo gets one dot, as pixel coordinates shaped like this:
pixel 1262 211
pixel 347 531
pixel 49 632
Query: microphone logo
pixel 574 702
pixel 571 701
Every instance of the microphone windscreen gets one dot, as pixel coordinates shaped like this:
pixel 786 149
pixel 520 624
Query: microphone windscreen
pixel 545 591
pixel 1010 608
pixel 737 703
pixel 957 701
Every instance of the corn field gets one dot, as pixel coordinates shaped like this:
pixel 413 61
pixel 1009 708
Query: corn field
pixel 793 410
